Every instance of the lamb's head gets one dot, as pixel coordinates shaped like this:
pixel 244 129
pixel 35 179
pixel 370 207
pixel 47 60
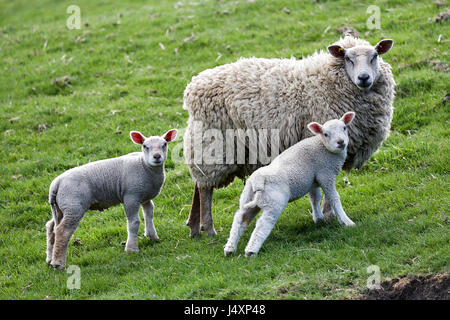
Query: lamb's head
pixel 154 148
pixel 334 133
pixel 361 61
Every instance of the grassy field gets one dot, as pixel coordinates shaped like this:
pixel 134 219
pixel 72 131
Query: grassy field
pixel 68 97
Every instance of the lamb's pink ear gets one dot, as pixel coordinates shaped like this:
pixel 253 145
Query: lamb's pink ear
pixel 384 46
pixel 137 137
pixel 315 128
pixel 170 135
pixel 348 117
pixel 336 51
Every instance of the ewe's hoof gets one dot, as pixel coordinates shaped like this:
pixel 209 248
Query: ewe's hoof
pixel 211 233
pixel 194 233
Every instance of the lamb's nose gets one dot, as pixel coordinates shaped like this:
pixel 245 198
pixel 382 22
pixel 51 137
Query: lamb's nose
pixel 157 156
pixel 364 77
pixel 340 143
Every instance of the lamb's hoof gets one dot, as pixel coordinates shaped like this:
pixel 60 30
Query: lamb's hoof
pixel 57 265
pixel 131 249
pixel 350 224
pixel 250 254
pixel 228 253
pixel 228 250
pixel 152 238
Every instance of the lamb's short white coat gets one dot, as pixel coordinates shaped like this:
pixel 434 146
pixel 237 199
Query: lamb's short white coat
pixel 303 168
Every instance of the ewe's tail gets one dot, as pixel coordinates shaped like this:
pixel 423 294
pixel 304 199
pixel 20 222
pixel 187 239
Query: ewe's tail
pixel 52 200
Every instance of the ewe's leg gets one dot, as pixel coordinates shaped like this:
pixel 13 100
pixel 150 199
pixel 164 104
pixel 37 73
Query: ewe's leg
pixel 50 239
pixel 242 219
pixel 314 198
pixel 150 231
pixel 264 226
pixel 63 231
pixel 206 220
pixel 333 198
pixel 194 215
pixel 131 206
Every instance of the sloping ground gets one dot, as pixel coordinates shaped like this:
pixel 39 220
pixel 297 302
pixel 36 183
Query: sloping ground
pixel 431 287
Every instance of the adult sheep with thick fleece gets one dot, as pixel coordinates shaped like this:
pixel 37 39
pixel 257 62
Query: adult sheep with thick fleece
pixel 133 179
pixel 307 166
pixel 286 95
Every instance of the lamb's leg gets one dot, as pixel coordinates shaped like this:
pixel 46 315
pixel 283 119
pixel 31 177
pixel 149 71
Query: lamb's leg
pixel 314 198
pixel 131 206
pixel 333 198
pixel 206 220
pixel 50 239
pixel 242 219
pixel 150 231
pixel 327 211
pixel 63 231
pixel 264 226
pixel 194 215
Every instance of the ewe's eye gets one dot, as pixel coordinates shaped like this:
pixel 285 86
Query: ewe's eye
pixel 348 60
pixel 325 134
pixel 374 58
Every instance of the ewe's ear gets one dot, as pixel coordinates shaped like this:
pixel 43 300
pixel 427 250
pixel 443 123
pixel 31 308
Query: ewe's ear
pixel 137 137
pixel 384 46
pixel 348 117
pixel 336 51
pixel 315 128
pixel 170 135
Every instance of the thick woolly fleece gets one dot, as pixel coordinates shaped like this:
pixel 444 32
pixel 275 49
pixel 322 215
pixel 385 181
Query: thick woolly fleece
pixel 286 94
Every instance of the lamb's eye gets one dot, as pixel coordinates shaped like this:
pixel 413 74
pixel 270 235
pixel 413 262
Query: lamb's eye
pixel 165 144
pixel 145 147
pixel 345 128
pixel 325 134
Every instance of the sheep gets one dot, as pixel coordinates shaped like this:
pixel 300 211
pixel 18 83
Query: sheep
pixel 303 168
pixel 133 179
pixel 284 95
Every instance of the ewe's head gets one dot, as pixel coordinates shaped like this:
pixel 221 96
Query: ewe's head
pixel 334 133
pixel 154 148
pixel 361 62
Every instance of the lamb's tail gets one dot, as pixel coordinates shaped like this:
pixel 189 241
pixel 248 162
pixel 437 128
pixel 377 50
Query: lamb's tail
pixel 52 200
pixel 255 200
pixel 257 185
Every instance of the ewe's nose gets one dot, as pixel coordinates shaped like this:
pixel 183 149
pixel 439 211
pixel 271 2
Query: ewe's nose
pixel 364 77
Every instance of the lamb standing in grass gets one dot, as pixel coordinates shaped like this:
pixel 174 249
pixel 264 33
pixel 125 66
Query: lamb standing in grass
pixel 133 179
pixel 286 95
pixel 311 163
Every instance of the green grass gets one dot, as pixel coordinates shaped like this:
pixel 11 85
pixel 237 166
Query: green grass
pixel 398 201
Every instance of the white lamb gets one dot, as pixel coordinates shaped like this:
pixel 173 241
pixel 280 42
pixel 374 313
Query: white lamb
pixel 133 179
pixel 311 163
